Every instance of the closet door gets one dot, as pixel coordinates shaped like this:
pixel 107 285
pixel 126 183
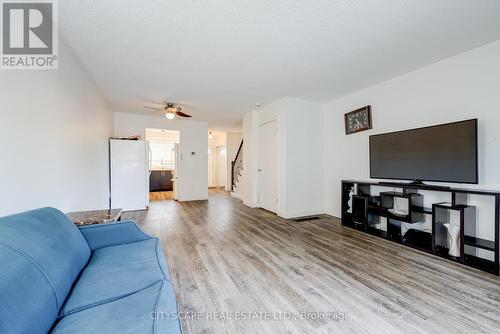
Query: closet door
pixel 268 182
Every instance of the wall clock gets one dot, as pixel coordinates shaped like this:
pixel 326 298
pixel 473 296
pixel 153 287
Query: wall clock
pixel 358 120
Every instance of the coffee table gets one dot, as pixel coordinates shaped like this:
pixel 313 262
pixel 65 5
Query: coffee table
pixel 95 216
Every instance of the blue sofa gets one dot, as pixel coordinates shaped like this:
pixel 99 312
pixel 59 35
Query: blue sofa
pixel 57 278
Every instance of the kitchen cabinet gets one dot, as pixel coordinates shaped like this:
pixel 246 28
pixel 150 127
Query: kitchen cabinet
pixel 160 180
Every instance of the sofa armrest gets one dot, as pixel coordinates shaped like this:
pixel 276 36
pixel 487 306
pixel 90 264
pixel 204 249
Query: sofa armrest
pixel 112 234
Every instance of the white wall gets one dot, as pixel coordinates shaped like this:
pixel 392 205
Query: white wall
pixel 193 184
pixel 462 87
pixel 315 154
pixel 233 141
pixel 54 130
pixel 304 159
pixel 300 156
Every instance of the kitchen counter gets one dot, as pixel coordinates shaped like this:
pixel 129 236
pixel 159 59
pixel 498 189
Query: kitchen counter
pixel 161 169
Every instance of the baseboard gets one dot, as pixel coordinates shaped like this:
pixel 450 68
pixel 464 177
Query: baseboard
pixel 332 214
pixel 298 214
pixel 236 195
pixel 190 199
pixel 247 203
pixel 136 209
pixel 250 204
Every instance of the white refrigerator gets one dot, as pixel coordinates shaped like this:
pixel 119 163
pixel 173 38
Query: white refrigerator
pixel 129 174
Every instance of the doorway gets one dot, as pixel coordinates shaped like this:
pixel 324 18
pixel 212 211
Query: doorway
pixel 268 182
pixel 220 166
pixel 163 164
pixel 217 160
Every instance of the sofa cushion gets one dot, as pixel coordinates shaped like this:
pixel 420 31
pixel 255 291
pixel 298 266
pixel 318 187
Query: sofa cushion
pixel 112 234
pixel 136 313
pixel 52 242
pixel 117 271
pixel 27 301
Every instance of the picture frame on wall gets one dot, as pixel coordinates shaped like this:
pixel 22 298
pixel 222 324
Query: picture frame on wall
pixel 358 120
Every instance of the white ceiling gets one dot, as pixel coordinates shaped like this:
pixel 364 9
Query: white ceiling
pixel 221 57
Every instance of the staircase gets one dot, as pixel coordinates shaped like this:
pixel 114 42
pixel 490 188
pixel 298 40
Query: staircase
pixel 237 169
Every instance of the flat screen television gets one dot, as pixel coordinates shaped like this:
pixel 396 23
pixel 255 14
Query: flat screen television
pixel 441 153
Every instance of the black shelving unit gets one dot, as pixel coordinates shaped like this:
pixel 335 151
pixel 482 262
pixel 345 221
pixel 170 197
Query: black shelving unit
pixel 365 207
pixel 414 205
pixel 440 216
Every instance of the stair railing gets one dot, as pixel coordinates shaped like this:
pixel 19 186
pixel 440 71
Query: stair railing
pixel 236 166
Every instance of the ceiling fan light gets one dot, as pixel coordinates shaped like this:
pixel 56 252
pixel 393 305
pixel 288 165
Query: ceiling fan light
pixel 170 115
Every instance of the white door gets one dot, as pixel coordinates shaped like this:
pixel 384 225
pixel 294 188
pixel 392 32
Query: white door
pixel 129 174
pixel 268 182
pixel 211 168
pixel 175 179
pixel 220 166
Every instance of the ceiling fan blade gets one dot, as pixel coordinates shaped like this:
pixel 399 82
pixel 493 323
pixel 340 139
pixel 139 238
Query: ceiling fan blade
pixel 181 114
pixel 147 107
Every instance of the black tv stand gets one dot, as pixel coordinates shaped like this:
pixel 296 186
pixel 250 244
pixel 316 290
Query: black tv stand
pixel 396 212
pixel 417 183
pixel 414 185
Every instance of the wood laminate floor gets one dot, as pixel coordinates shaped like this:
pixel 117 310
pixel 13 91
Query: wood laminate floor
pixel 161 196
pixel 225 257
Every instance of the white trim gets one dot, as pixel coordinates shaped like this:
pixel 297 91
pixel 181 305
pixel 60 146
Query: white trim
pixel 290 215
pixel 193 199
pixel 236 195
pixel 136 209
pixel 331 213
pixel 250 204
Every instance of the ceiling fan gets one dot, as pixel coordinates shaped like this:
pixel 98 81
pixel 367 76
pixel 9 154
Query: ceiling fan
pixel 170 110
